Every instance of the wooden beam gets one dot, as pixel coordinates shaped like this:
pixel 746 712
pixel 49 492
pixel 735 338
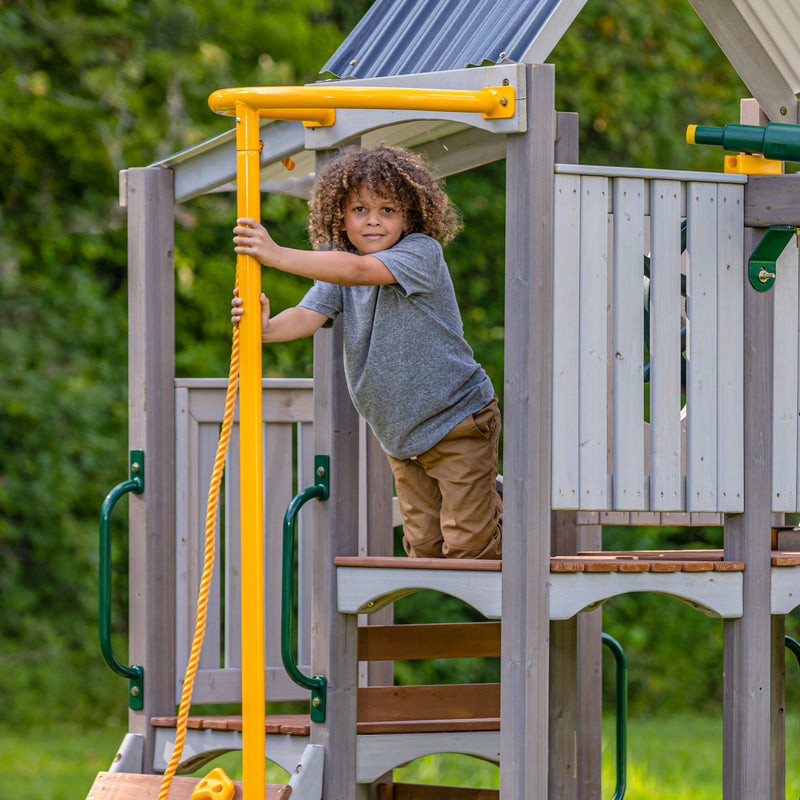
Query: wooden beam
pixel 749 57
pixel 527 444
pixel 772 200
pixel 747 645
pixel 335 532
pixel 151 427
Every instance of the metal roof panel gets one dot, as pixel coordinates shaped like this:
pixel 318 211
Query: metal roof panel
pixel 404 37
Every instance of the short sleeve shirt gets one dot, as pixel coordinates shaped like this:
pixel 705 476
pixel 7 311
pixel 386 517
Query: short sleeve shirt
pixel 410 372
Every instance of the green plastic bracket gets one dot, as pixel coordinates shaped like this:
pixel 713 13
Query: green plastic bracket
pixel 761 267
pixel 134 673
pixel 317 684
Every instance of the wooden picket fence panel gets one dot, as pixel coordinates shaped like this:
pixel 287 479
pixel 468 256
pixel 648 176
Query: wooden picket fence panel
pixel 604 457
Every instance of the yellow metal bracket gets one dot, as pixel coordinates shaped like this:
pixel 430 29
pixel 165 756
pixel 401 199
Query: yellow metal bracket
pixel 316 105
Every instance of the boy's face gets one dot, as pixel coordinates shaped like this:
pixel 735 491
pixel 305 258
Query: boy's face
pixel 372 221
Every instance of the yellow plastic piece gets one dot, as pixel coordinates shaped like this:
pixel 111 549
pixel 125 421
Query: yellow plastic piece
pixel 309 102
pixel 215 786
pixel 690 133
pixel 752 164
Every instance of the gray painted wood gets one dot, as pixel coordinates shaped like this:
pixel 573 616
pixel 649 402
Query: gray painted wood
pixel 151 372
pixel 566 324
pixel 760 67
pixel 747 646
pixel 527 446
pixel 627 345
pixel 592 342
pixel 772 200
pixel 702 347
pixel 334 644
pixel 785 385
pixel 665 319
pixel 730 292
pixel 287 408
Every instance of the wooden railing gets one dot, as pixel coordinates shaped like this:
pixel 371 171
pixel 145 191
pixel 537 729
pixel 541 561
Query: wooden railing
pixel 689 457
pixel 288 466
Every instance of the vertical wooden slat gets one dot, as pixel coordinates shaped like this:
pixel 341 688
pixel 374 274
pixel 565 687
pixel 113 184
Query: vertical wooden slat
pixel 527 445
pixel 701 347
pixel 305 533
pixel 151 427
pixel 185 511
pixel 566 327
pixel 627 352
pixel 730 291
pixel 665 323
pixel 593 337
pixel 785 386
pixel 278 493
pixel 233 555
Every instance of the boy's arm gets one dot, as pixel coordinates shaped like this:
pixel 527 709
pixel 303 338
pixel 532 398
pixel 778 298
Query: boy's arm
pixel 293 323
pixel 331 266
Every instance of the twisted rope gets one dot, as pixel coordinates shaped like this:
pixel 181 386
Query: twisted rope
pixel 208 569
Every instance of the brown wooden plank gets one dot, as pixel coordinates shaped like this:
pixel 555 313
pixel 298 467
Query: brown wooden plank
pixel 411 791
pixel 729 566
pixel 698 566
pixel 294 724
pixel 666 566
pixel 785 559
pixel 600 565
pixel 566 564
pixel 652 555
pixel 128 786
pixel 633 566
pixel 402 562
pixel 444 701
pixel 441 640
pixel 430 725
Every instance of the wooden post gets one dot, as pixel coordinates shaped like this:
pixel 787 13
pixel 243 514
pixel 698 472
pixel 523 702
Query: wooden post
pixel 527 445
pixel 575 645
pixel 334 642
pixel 151 427
pixel 748 641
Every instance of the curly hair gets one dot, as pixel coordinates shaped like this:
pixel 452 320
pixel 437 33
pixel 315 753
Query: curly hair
pixel 391 171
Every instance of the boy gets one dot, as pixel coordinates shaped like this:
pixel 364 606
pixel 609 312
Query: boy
pixel 410 372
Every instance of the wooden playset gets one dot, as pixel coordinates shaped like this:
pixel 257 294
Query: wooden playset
pixel 577 454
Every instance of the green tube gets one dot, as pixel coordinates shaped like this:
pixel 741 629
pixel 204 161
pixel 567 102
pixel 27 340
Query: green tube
pixel 775 140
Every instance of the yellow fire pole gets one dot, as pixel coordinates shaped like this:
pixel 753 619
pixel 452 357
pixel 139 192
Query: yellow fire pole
pixel 314 105
pixel 248 204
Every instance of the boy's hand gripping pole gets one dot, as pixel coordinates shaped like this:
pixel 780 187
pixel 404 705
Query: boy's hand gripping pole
pixel 248 269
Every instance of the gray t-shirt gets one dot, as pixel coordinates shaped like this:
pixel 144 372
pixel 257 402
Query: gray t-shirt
pixel 411 373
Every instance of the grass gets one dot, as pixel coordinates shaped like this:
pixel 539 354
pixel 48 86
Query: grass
pixel 670 758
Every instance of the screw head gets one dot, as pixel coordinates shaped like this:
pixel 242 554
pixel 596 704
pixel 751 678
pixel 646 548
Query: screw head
pixel 321 471
pixel 316 702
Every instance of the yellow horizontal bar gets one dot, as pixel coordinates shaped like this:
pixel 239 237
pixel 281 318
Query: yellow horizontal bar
pixel 491 102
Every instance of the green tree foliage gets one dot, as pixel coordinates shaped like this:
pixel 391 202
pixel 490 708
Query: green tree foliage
pixel 90 87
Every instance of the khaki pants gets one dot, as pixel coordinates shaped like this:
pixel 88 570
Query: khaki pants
pixel 448 494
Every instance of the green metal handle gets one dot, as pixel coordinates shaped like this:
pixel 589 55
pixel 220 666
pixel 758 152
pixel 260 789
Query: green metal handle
pixel 761 266
pixel 316 684
pixel 622 713
pixel 134 673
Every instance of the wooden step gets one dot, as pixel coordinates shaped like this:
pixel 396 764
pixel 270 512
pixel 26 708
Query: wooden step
pixel 127 786
pixel 291 724
pixel 412 791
